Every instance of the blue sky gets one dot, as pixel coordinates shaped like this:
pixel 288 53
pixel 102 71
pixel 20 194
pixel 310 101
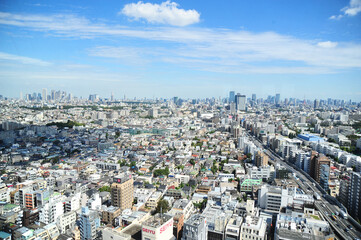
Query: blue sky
pixel 182 48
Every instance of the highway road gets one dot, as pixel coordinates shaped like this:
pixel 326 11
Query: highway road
pixel 341 226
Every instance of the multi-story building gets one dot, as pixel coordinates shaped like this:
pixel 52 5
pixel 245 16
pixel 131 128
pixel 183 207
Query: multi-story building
pixel 324 176
pixel 184 205
pixel 88 224
pixel 52 210
pixel 95 202
pixel 107 166
pixel 30 200
pixel 240 102
pixel 318 170
pixel 261 159
pixel 233 228
pixel 343 192
pixel 66 221
pixel 231 96
pixel 272 199
pixel 30 217
pixel 153 200
pixel 109 214
pixel 249 185
pixel 52 230
pixel 195 228
pixel 292 227
pixel 72 203
pixel 178 222
pixel 122 193
pixel 158 227
pixel 22 192
pixel 354 193
pixel 4 193
pixel 260 172
pixel 42 197
pixel 253 228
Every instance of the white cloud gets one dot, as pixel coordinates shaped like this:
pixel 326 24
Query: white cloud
pixel 164 13
pixel 353 8
pixel 23 60
pixel 336 17
pixel 203 48
pixel 327 44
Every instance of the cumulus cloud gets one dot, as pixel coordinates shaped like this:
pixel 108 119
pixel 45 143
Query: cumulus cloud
pixel 327 44
pixel 164 13
pixel 353 8
pixel 21 59
pixel 201 47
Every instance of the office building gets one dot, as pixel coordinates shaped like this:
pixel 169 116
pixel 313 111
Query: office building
pixel 316 104
pixel 122 192
pixel 231 96
pixel 272 199
pixel 254 98
pixel 45 95
pixel 278 99
pixel 240 102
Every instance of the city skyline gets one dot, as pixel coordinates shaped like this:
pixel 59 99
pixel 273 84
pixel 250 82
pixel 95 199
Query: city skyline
pixel 57 95
pixel 182 48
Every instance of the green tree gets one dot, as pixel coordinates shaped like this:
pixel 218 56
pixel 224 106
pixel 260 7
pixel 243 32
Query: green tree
pixel 122 163
pixel 163 206
pixel 117 134
pixel 180 167
pixel 201 205
pixel 214 169
pixel 161 172
pixel 104 189
pixel 192 162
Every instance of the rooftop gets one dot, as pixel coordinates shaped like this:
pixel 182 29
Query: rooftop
pixel 157 220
